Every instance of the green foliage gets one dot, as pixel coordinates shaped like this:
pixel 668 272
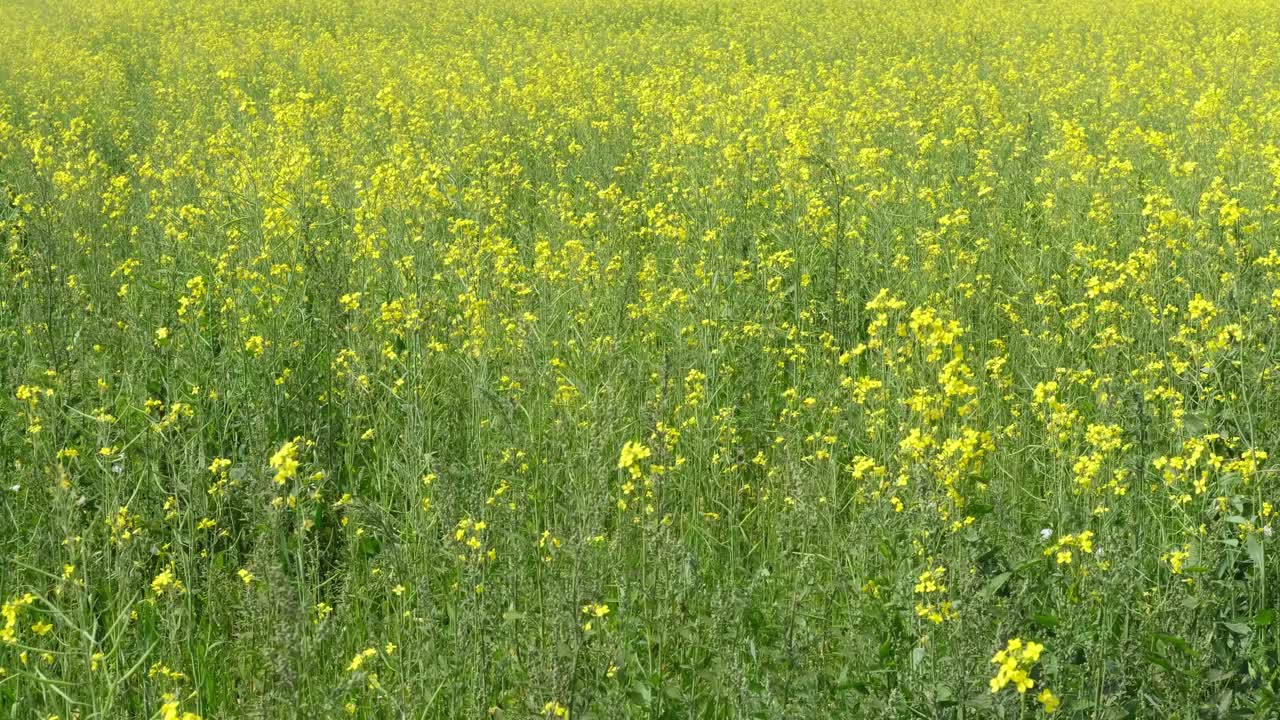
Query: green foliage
pixel 643 359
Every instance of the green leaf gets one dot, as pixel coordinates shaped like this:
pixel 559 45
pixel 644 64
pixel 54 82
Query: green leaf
pixel 1028 565
pixel 1218 675
pixel 981 701
pixel 1046 620
pixel 640 692
pixel 1238 628
pixel 1265 617
pixel 886 650
pixel 1254 546
pixel 994 584
pixel 1194 423
pixel 1160 660
pixel 1173 640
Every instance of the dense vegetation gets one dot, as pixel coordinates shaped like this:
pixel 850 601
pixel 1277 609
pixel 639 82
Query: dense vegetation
pixel 639 358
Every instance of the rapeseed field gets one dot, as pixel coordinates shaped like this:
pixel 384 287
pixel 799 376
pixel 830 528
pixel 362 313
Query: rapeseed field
pixel 639 359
